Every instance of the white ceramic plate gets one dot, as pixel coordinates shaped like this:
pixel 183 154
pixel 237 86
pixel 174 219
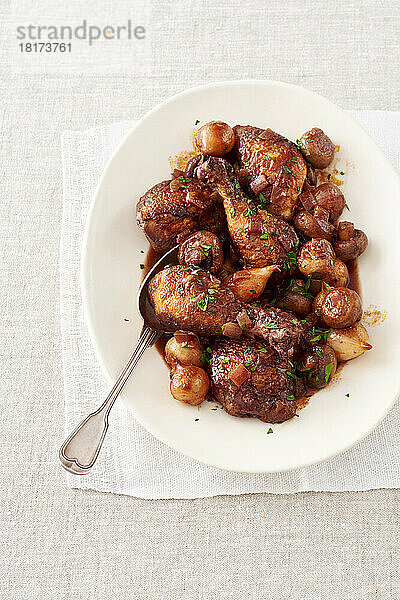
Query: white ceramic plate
pixel 332 421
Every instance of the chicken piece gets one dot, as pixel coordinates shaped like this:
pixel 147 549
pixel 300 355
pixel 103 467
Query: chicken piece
pixel 263 389
pixel 274 160
pixel 259 237
pixel 190 299
pixel 171 210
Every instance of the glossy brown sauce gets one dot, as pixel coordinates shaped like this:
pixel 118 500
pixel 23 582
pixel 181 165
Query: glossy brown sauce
pixel 354 277
pixel 354 283
pixel 151 258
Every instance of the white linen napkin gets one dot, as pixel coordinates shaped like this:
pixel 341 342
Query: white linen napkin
pixel 132 461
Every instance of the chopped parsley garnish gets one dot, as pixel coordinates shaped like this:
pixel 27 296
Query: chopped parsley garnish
pixel 318 334
pixel 288 373
pixel 347 206
pixel 141 266
pixel 270 326
pixel 193 270
pixel 328 371
pixel 264 236
pixel 206 249
pixel 232 211
pixel 196 122
pixel 262 199
pixel 318 352
pixel 347 395
pixel 267 157
pixel 251 210
pixel 270 431
pixel 208 299
pixel 206 355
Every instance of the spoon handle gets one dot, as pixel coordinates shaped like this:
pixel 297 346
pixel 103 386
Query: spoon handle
pixel 81 449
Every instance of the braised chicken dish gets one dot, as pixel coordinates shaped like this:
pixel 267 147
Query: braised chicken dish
pixel 259 309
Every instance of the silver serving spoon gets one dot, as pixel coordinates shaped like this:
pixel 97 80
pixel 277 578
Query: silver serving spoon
pixel 80 450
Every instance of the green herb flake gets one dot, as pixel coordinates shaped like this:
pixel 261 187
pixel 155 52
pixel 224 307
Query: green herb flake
pixel 270 326
pixel 196 122
pixel 269 431
pixel 328 371
pixel 206 356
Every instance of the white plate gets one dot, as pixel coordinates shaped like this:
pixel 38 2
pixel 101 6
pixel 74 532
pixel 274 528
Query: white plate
pixel 332 421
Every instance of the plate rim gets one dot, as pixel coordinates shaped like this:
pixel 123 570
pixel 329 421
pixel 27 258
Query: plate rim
pixel 85 265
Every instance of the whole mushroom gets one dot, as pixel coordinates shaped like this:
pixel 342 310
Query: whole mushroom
pixel 202 249
pixel 338 308
pixel 184 348
pixel 312 226
pixel 330 197
pixel 317 148
pixel 317 259
pixel 318 365
pixel 215 138
pixel 350 242
pixel 189 384
pixel 296 298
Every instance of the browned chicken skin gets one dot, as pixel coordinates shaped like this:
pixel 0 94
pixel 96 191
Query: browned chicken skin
pixel 171 210
pixel 260 237
pixel 259 358
pixel 268 157
pixel 267 392
pixel 191 299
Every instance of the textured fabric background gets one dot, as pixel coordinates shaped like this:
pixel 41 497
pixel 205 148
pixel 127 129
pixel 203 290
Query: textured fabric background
pixel 134 462
pixel 65 544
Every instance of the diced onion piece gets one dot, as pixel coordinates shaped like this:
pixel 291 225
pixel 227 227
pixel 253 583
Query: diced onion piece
pixel 231 330
pixel 177 173
pixel 349 343
pixel 175 184
pixel 189 339
pixel 244 320
pixel 259 184
pixel 239 375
